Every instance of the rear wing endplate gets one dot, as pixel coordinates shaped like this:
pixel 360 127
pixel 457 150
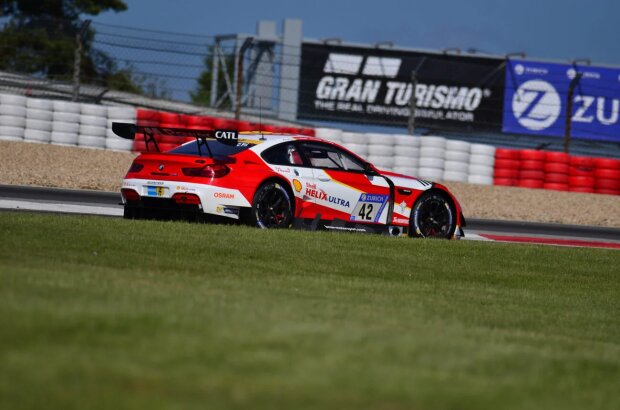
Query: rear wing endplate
pixel 129 131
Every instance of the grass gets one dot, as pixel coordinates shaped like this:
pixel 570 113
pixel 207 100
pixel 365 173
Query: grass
pixel 107 313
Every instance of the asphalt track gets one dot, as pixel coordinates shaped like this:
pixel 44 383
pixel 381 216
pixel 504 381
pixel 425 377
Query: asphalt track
pixel 86 202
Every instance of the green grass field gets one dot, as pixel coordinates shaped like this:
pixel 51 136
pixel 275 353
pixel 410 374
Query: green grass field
pixel 107 313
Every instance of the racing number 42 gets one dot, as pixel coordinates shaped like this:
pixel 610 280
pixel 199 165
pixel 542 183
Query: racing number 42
pixel 366 212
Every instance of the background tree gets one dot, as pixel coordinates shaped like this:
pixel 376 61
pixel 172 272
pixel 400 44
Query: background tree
pixel 39 39
pixel 202 94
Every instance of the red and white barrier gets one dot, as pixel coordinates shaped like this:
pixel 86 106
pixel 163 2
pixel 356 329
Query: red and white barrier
pixel 556 171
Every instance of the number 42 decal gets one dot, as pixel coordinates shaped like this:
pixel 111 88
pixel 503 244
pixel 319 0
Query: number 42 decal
pixel 369 208
pixel 366 212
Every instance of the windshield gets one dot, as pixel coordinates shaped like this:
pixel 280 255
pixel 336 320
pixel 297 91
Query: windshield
pixel 218 149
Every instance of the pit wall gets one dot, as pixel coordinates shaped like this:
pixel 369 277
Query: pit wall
pixel 432 157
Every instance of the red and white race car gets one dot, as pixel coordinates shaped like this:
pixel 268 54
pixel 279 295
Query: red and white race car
pixel 277 181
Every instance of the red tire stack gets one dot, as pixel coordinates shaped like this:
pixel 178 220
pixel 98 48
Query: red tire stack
pixel 144 118
pixel 531 169
pixel 152 118
pixel 198 122
pixel 607 176
pixel 506 170
pixel 170 120
pixel 581 174
pixel 556 170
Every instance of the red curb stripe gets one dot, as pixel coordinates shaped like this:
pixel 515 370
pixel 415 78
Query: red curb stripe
pixel 553 241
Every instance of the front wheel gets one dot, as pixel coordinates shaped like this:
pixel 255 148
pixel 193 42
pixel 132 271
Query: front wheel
pixel 272 206
pixel 433 217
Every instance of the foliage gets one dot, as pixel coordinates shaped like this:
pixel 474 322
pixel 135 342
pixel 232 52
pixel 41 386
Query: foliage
pixel 202 94
pixel 39 38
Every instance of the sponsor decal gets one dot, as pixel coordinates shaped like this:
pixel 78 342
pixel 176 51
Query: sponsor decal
pixel 227 210
pixel 297 185
pixel 282 170
pixel 403 207
pixel 357 83
pixel 322 196
pixel 369 208
pixel 228 137
pixel 397 220
pixel 154 182
pixel 224 195
pixel 231 211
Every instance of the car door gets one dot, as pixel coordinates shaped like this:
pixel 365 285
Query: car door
pixel 286 159
pixel 341 187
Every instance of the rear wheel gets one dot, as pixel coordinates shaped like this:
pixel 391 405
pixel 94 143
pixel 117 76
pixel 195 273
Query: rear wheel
pixel 433 217
pixel 272 206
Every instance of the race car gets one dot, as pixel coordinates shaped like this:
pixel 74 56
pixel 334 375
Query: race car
pixel 280 181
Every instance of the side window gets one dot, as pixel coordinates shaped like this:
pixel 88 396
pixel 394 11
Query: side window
pixel 327 156
pixel 283 154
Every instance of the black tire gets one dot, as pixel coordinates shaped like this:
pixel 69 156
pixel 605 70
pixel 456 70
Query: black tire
pixel 433 216
pixel 272 206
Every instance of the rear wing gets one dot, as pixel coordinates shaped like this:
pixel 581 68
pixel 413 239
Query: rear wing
pixel 129 131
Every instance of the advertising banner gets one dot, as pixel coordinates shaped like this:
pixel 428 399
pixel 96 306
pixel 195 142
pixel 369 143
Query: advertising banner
pixel 536 100
pixel 374 85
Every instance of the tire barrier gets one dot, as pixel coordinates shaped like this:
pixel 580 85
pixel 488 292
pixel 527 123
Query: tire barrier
pixel 433 157
pixel 90 125
pixel 167 119
pixel 556 171
pixel 12 117
pixel 329 134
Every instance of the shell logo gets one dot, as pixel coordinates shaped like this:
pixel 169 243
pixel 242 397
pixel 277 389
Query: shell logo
pixel 297 185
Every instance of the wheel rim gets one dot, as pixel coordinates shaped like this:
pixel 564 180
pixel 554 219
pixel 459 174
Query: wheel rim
pixel 273 209
pixel 434 218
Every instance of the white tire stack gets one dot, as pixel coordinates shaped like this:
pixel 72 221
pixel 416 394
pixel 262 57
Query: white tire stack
pixel 481 164
pixel 356 142
pixel 38 120
pixel 66 123
pixel 329 134
pixel 381 150
pixel 456 165
pixel 12 117
pixel 119 114
pixel 406 154
pixel 432 157
pixel 93 126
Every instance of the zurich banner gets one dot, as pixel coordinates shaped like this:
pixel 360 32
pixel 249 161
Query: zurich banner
pixel 536 100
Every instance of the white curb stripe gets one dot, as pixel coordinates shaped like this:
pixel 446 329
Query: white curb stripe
pixel 60 207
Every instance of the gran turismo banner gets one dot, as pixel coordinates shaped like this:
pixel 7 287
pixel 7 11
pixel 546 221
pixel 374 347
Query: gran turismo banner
pixel 536 100
pixel 373 85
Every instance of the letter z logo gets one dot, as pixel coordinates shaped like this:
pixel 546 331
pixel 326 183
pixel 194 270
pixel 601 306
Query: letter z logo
pixel 536 105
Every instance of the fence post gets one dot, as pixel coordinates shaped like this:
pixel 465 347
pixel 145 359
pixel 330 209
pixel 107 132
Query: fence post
pixel 569 110
pixel 412 103
pixel 239 88
pixel 77 61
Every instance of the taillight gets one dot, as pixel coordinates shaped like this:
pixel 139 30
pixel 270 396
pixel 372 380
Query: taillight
pixel 135 167
pixel 130 195
pixel 189 199
pixel 208 171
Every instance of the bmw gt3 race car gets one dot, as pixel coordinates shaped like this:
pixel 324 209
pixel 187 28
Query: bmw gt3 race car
pixel 280 181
